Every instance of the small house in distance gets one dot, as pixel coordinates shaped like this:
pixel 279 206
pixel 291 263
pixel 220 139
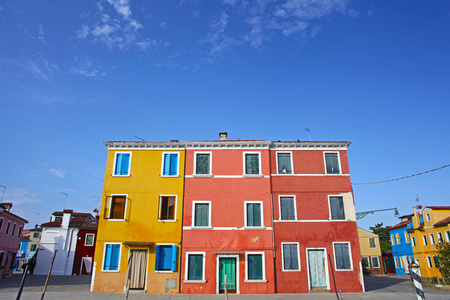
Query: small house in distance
pixel 370 251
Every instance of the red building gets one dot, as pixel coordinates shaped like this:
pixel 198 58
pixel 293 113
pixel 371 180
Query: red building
pixel 84 252
pixel 227 224
pixel 314 218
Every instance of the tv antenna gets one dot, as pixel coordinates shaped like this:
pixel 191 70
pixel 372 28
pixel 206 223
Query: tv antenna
pixel 139 138
pixel 309 131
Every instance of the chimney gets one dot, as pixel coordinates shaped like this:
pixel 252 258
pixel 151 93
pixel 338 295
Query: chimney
pixel 66 218
pixel 7 205
pixel 36 226
pixel 223 136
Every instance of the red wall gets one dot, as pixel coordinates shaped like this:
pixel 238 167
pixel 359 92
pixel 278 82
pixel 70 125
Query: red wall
pixel 82 250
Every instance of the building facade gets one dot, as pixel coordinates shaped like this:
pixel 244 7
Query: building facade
pixel 402 250
pixel 139 237
pixel 371 251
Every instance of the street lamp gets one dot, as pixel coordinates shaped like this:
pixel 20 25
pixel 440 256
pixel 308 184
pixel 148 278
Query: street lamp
pixel 360 215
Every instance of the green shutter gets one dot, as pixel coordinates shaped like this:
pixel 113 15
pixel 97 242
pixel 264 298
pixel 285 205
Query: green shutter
pixel 202 163
pixel 195 267
pixel 254 267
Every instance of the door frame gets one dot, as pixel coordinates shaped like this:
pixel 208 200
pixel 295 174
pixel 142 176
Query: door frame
pixel 327 278
pixel 218 257
pixel 146 267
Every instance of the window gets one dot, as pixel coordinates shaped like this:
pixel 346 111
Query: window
pixel 36 235
pixel 203 163
pixel 413 241
pixel 290 257
pixel 406 237
pixel 375 262
pixel 372 243
pixel 432 240
pixel 392 239
pixel 195 270
pixel 436 261
pixel 430 263
pixel 447 235
pixel 365 262
pixel 167 208
pixel 7 227
pixel 253 211
pixel 111 257
pixel 287 208
pixel 122 164
pixel 166 258
pixel 398 238
pixel 1 259
pixel 440 237
pixel 425 241
pixel 284 163
pixel 332 163
pixel 170 164
pixel 20 232
pixel 254 266
pixel 252 164
pixel 342 256
pixel 89 239
pixel 401 262
pixel 202 214
pixel 428 217
pixel 13 230
pixel 396 262
pixel 1 226
pixel 337 208
pixel 33 247
pixel 117 207
pixel 58 218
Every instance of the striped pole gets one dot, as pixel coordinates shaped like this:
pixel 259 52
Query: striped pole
pixel 414 271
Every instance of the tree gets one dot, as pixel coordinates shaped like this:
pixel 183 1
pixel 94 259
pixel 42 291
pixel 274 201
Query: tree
pixel 383 234
pixel 444 260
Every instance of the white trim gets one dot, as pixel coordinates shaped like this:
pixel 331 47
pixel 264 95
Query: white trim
pixel 440 237
pixel 228 176
pixel 187 267
pixel 310 175
pixel 218 257
pixel 428 217
pixel 195 164
pixel 279 206
pixel 330 216
pixel 447 235
pixel 209 214
pixel 261 213
pixel 378 261
pixel 397 238
pixel 244 166
pixel 85 239
pixel 374 242
pixel 327 278
pixel 396 262
pixel 392 239
pixel 430 263
pixel 350 257
pixel 103 257
pixel 8 227
pixel 432 240
pixel 226 228
pixel 174 209
pixel 315 221
pixel 282 257
pixel 424 240
pixel 115 161
pixel 291 159
pixel 407 238
pixel 178 163
pixel 339 162
pixel 126 207
pixel 263 258
pixel 368 260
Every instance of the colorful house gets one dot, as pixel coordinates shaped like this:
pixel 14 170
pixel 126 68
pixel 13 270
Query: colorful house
pixel 430 226
pixel 371 251
pixel 139 236
pixel 11 227
pixel 402 251
pixel 315 232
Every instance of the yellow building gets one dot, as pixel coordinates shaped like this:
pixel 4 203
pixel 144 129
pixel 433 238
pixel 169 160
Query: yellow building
pixel 370 251
pixel 139 233
pixel 430 226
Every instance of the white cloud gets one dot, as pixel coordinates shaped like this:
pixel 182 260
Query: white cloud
pixel 41 34
pixel 57 173
pixel 20 196
pixel 122 7
pixel 163 25
pixel 39 68
pixel 84 67
pixel 217 38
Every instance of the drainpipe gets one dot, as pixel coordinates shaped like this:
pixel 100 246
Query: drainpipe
pixel 272 217
pixel 182 222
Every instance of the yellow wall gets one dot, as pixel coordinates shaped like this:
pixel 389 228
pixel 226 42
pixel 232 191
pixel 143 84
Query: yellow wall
pixel 363 236
pixel 143 187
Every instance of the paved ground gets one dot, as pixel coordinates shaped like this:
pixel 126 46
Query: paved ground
pixel 77 287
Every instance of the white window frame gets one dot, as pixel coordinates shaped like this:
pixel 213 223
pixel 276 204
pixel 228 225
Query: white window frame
pixel 174 209
pixel 176 258
pixel 292 162
pixel 374 242
pixel 330 217
pixel 85 239
pixel 103 257
pixel 430 263
pixel 295 208
pixel 187 267
pixel 349 253
pixel 244 166
pixel 115 161
pixel 178 164
pixel 397 238
pixel 407 239
pixel 447 235
pixel 402 264
pixel 13 229
pixel 8 227
pixel 368 261
pixel 2 220
pixel 282 257
pixel 19 233
pixel 396 262
pixel 392 239
pixel 195 164
pixel 263 267
pixel 245 215
pixel 327 276
pixel 432 240
pixel 428 217
pixel 440 237
pixel 339 162
pixel 424 240
pixel 126 207
pixel 193 214
pixel 378 260
pixel 413 241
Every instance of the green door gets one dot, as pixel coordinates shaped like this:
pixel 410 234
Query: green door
pixel 227 266
pixel 316 259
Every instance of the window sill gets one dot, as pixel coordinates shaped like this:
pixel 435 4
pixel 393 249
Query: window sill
pixel 168 221
pixel 111 271
pixel 201 227
pixel 252 175
pixel 170 176
pixel 285 174
pixel 255 281
pixel 164 271
pixel 194 281
pixel 254 228
pixel 298 270
pixel 202 175
pixel 333 174
pixel 340 270
pixel 121 175
pixel 287 220
pixel 116 220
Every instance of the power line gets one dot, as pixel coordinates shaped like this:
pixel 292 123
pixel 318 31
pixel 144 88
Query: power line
pixel 404 177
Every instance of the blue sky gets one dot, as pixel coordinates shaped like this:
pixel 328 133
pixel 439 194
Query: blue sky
pixel 76 73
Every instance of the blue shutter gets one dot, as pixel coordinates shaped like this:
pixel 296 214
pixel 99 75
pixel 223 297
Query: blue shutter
pixel 115 257
pixel 157 258
pixel 174 258
pixel 166 254
pixel 173 164
pixel 166 167
pixel 107 262
pixel 118 164
pixel 125 164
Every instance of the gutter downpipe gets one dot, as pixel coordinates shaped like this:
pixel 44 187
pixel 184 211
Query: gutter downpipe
pixel 182 221
pixel 272 216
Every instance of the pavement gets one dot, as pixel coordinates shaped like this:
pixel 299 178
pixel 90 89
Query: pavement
pixel 395 287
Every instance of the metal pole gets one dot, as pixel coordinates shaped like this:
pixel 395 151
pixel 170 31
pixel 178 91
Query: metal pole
pixel 414 272
pixel 226 290
pixel 334 280
pixel 4 188
pixel 25 271
pixel 48 275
